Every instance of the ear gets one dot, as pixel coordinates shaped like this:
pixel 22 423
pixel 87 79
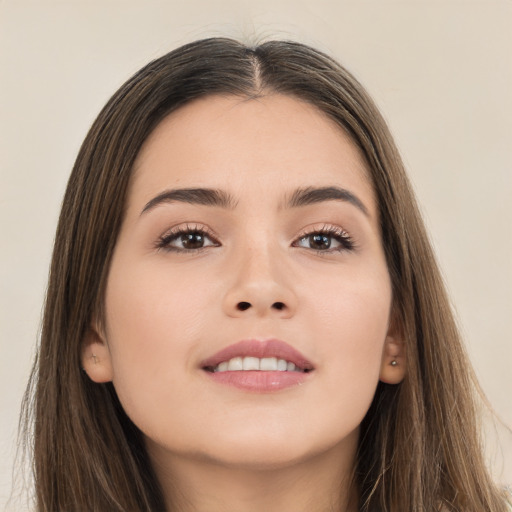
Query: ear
pixel 393 365
pixel 96 358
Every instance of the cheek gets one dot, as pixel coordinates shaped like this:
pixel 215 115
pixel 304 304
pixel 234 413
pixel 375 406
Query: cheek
pixel 155 321
pixel 150 304
pixel 351 320
pixel 144 313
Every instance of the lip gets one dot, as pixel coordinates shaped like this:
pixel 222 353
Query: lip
pixel 259 348
pixel 259 381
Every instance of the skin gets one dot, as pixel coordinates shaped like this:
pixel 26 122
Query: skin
pixel 215 447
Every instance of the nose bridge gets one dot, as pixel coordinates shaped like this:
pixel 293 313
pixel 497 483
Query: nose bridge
pixel 259 285
pixel 259 258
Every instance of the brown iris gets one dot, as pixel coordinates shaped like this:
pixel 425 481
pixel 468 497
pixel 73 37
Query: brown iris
pixel 192 240
pixel 319 241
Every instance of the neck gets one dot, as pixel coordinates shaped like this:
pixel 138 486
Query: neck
pixel 321 483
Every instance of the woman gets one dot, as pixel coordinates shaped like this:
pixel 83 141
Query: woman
pixel 244 312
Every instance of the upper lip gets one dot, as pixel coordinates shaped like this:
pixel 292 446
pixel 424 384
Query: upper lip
pixel 259 348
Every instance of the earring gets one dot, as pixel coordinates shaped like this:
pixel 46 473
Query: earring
pixel 394 362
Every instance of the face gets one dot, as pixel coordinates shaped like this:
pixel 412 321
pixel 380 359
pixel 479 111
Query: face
pixel 250 238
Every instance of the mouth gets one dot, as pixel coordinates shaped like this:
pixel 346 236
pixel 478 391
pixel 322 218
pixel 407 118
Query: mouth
pixel 264 364
pixel 258 365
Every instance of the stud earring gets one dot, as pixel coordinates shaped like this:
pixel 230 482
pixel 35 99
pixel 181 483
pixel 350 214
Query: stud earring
pixel 394 362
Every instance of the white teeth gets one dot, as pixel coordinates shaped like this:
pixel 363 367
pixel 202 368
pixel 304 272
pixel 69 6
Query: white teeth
pixel 235 364
pixel 269 364
pixel 223 367
pixel 251 363
pixel 281 365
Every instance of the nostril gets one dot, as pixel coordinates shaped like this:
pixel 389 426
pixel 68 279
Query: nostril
pixel 278 305
pixel 242 306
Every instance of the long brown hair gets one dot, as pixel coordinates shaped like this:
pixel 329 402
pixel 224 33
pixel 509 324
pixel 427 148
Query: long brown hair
pixel 419 443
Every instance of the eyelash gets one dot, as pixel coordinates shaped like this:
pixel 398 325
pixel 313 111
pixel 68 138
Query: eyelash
pixel 337 233
pixel 165 240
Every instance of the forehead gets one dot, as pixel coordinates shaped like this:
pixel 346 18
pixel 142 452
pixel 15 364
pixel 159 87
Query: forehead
pixel 268 144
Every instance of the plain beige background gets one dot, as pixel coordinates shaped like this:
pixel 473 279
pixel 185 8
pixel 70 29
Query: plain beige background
pixel 441 71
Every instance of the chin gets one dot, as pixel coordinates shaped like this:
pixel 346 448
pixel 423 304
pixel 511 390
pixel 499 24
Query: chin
pixel 264 451
pixel 258 457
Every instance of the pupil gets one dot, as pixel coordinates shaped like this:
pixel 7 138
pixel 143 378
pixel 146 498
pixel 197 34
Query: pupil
pixel 192 240
pixel 320 241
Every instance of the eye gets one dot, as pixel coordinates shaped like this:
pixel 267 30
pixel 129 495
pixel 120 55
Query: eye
pixel 326 239
pixel 186 239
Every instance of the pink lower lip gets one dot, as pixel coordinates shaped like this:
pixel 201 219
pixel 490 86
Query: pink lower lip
pixel 259 381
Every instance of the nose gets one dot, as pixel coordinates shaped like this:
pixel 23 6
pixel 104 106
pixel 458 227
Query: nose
pixel 259 287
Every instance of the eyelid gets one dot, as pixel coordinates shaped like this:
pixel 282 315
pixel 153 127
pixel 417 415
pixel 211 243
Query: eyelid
pixel 328 229
pixel 323 227
pixel 164 240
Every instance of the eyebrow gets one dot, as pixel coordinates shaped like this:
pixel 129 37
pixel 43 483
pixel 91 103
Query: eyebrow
pixel 311 195
pixel 202 196
pixel 220 198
